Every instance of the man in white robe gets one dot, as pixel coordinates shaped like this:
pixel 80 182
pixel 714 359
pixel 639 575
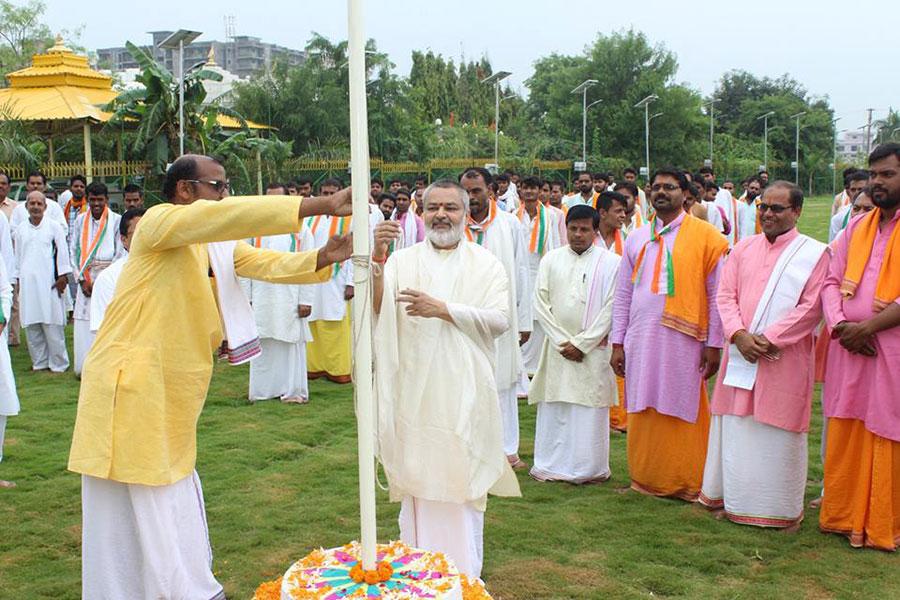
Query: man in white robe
pixel 439 308
pixel 42 264
pixel 854 185
pixel 502 235
pixel 9 399
pixel 280 311
pixel 105 285
pixel 93 246
pixel 541 236
pixel 574 385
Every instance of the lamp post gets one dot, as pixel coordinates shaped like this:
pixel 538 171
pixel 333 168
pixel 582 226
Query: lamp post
pixel 834 155
pixel 797 147
pixel 496 78
pixel 645 104
pixel 765 119
pixel 582 89
pixel 176 41
pixel 712 108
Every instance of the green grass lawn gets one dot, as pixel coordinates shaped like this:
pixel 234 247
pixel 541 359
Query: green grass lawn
pixel 280 480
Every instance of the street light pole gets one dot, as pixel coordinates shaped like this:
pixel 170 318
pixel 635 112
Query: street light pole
pixel 765 119
pixel 583 88
pixel 176 41
pixel 645 103
pixel 712 109
pixel 496 78
pixel 834 156
pixel 797 148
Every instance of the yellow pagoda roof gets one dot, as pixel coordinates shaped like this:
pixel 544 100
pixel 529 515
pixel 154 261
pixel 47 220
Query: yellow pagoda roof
pixel 57 67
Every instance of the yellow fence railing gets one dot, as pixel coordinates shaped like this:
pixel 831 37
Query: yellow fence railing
pixel 61 170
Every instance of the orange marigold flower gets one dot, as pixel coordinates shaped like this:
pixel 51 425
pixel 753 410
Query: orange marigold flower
pixel 269 590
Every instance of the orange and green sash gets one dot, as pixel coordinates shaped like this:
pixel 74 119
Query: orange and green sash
pixel 339 225
pixel 295 242
pixel 859 250
pixel 475 231
pixel 540 233
pixel 87 248
pixel 698 246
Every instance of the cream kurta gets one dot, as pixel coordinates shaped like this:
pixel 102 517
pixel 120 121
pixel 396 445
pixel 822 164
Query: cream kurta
pixel 439 430
pixel 35 266
pixel 146 378
pixel 560 300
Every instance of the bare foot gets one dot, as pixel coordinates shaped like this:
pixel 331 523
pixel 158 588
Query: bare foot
pixel 7 484
pixel 792 528
pixel 719 514
pixel 295 400
pixel 622 490
pixel 816 503
pixel 517 463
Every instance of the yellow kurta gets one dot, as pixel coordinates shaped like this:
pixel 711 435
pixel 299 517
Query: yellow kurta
pixel 146 377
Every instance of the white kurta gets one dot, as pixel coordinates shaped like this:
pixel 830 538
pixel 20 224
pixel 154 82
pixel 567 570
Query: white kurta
pixel 9 399
pixel 104 289
pixel 54 212
pixel 6 249
pixel 531 350
pixel 505 239
pixel 38 303
pixel 328 298
pixel 573 301
pixel 280 371
pixel 108 249
pixel 734 212
pixel 439 430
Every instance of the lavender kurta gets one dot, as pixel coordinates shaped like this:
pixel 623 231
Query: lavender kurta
pixel 856 386
pixel 662 366
pixel 782 394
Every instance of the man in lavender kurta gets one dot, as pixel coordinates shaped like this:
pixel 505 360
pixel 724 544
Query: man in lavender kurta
pixel 862 382
pixel 666 361
pixel 768 300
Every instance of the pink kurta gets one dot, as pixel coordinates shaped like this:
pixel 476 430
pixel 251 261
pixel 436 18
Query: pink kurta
pixel 782 394
pixel 857 386
pixel 662 366
pixel 420 226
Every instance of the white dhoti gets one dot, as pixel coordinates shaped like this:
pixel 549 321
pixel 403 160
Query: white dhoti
pixel 531 350
pixel 756 471
pixel 571 443
pixel 47 347
pixel 279 371
pixel 142 541
pixel 83 337
pixel 457 530
pixel 2 434
pixel 509 413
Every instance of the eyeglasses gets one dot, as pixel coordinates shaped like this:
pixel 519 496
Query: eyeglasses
pixel 219 186
pixel 776 209
pixel 669 187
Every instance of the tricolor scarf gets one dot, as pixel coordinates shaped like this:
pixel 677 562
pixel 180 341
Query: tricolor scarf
pixel 339 225
pixel 79 206
pixel 295 242
pixel 86 248
pixel 698 246
pixel 475 231
pixel 539 237
pixel 859 250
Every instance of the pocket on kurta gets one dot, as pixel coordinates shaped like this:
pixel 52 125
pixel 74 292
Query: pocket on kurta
pixel 140 413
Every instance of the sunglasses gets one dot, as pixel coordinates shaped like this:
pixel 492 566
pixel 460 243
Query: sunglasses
pixel 219 186
pixel 776 209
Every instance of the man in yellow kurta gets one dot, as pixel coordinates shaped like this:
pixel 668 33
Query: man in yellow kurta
pixel 144 523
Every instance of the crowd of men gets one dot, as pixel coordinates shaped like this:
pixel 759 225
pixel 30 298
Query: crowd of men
pixel 608 305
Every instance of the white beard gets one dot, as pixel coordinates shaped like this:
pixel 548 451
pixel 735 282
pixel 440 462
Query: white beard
pixel 444 238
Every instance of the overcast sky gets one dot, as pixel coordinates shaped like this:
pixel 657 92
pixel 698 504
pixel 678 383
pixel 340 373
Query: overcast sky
pixel 843 50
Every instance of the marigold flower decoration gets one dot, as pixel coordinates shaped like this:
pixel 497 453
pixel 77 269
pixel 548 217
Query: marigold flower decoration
pixel 382 572
pixel 270 590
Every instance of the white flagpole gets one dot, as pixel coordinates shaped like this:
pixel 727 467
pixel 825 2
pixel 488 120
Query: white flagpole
pixel 362 315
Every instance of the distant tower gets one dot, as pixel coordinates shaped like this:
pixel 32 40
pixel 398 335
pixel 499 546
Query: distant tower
pixel 229 28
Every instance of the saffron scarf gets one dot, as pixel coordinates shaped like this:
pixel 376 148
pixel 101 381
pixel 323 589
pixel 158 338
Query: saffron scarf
pixel 87 248
pixel 539 236
pixel 79 206
pixel 698 247
pixel 475 231
pixel 859 250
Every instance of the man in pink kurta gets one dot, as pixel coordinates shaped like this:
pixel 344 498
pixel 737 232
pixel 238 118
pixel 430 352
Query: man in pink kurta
pixel 768 301
pixel 861 395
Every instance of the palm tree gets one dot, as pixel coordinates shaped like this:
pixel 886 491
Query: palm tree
pixel 153 110
pixel 888 127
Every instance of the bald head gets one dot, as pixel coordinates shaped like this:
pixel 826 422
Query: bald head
pixel 195 177
pixel 35 204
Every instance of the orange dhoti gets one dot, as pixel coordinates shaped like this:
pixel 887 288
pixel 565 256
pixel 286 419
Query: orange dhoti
pixel 618 415
pixel 666 455
pixel 862 486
